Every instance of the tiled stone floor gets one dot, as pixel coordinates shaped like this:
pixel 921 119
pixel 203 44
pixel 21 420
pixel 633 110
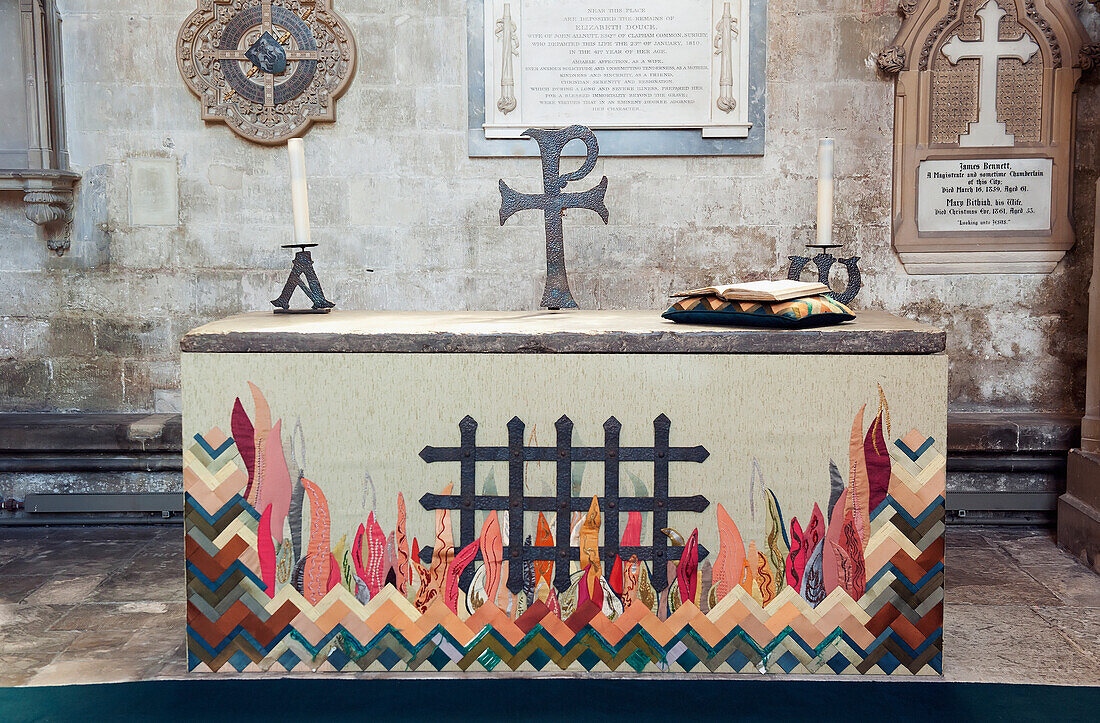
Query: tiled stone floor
pixel 104 604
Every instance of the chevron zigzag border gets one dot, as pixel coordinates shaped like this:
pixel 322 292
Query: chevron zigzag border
pixel 895 627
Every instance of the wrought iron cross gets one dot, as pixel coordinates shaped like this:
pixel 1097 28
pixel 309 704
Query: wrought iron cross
pixel 553 202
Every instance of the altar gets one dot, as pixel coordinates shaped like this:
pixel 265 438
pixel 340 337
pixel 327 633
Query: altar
pixel 603 491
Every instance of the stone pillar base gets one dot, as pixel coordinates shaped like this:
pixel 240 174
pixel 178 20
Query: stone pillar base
pixel 1079 508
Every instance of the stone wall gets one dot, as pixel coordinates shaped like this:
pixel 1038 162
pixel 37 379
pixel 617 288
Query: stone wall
pixel 392 188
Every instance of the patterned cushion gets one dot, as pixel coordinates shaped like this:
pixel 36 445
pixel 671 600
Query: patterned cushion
pixel 794 314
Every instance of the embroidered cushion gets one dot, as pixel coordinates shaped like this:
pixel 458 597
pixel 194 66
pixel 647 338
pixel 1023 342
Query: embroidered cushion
pixel 794 314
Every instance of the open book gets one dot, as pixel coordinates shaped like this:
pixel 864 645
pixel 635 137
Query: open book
pixel 762 290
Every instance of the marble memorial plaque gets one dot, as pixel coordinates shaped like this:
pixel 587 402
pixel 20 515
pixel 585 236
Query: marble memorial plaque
pixel 617 69
pixel 984 133
pixel 1010 194
pixel 608 64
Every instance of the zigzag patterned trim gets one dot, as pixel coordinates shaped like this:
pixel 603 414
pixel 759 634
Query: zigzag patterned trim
pixel 897 626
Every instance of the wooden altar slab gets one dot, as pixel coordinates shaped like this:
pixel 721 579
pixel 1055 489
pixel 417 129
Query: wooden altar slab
pixel 547 492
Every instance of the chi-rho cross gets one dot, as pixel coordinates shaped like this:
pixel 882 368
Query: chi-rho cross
pixel 987 130
pixel 553 203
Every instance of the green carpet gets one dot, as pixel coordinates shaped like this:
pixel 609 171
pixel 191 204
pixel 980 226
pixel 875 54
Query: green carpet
pixel 549 700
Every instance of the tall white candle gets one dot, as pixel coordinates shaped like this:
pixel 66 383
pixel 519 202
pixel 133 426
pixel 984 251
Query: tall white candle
pixel 825 186
pixel 299 197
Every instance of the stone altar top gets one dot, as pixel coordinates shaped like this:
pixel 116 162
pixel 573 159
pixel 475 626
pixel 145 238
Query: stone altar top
pixel 548 332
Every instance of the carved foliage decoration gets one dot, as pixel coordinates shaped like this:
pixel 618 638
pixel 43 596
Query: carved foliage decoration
pixel 1089 57
pixel 266 68
pixel 51 209
pixel 892 59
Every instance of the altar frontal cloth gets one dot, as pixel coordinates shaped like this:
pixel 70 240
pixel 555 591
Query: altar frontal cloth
pixel 506 493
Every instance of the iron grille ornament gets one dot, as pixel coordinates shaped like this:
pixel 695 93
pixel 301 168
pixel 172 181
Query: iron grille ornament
pixel 468 454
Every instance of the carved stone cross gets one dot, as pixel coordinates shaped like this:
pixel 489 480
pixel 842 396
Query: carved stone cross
pixel 987 130
pixel 554 203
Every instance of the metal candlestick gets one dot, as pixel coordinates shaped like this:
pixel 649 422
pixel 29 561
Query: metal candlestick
pixel 311 285
pixel 824 262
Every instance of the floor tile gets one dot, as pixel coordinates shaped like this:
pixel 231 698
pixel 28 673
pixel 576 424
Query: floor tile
pixel 100 643
pixel 1072 582
pixel 12 551
pixel 73 558
pixel 965 537
pixel 979 575
pixel 1010 644
pixel 137 585
pixel 18 667
pixel 65 589
pixel 174 665
pixel 87 670
pixel 15 588
pixel 28 533
pixel 116 533
pixel 89 533
pixel 1001 533
pixel 18 620
pixel 1080 625
pixel 46 641
pixel 112 616
pixel 151 647
pixel 169 618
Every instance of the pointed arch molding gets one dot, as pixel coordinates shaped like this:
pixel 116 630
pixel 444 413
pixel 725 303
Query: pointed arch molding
pixel 1020 140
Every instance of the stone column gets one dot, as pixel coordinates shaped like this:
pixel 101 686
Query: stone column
pixel 1090 425
pixel 1079 507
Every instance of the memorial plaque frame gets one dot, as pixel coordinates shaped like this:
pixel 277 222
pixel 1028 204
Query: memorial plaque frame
pixel 937 40
pixel 623 142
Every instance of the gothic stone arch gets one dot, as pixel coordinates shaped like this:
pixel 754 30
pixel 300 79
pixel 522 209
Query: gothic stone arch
pixel 941 56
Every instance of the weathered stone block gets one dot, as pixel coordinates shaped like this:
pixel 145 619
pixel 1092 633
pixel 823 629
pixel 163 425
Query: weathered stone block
pixel 24 384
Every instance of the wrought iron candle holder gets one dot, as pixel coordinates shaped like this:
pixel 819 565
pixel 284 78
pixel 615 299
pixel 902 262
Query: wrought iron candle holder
pixel 311 285
pixel 824 262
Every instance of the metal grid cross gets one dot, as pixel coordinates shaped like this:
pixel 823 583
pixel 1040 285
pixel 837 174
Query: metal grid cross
pixel 564 455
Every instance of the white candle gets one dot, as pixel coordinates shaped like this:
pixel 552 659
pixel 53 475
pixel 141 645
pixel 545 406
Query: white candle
pixel 299 197
pixel 825 191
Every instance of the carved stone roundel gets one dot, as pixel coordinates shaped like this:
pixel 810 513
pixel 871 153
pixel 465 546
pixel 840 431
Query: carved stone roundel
pixel 267 68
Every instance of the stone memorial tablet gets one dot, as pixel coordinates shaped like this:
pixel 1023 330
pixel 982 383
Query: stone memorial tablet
pixel 154 192
pixel 1010 194
pixel 984 131
pixel 611 65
